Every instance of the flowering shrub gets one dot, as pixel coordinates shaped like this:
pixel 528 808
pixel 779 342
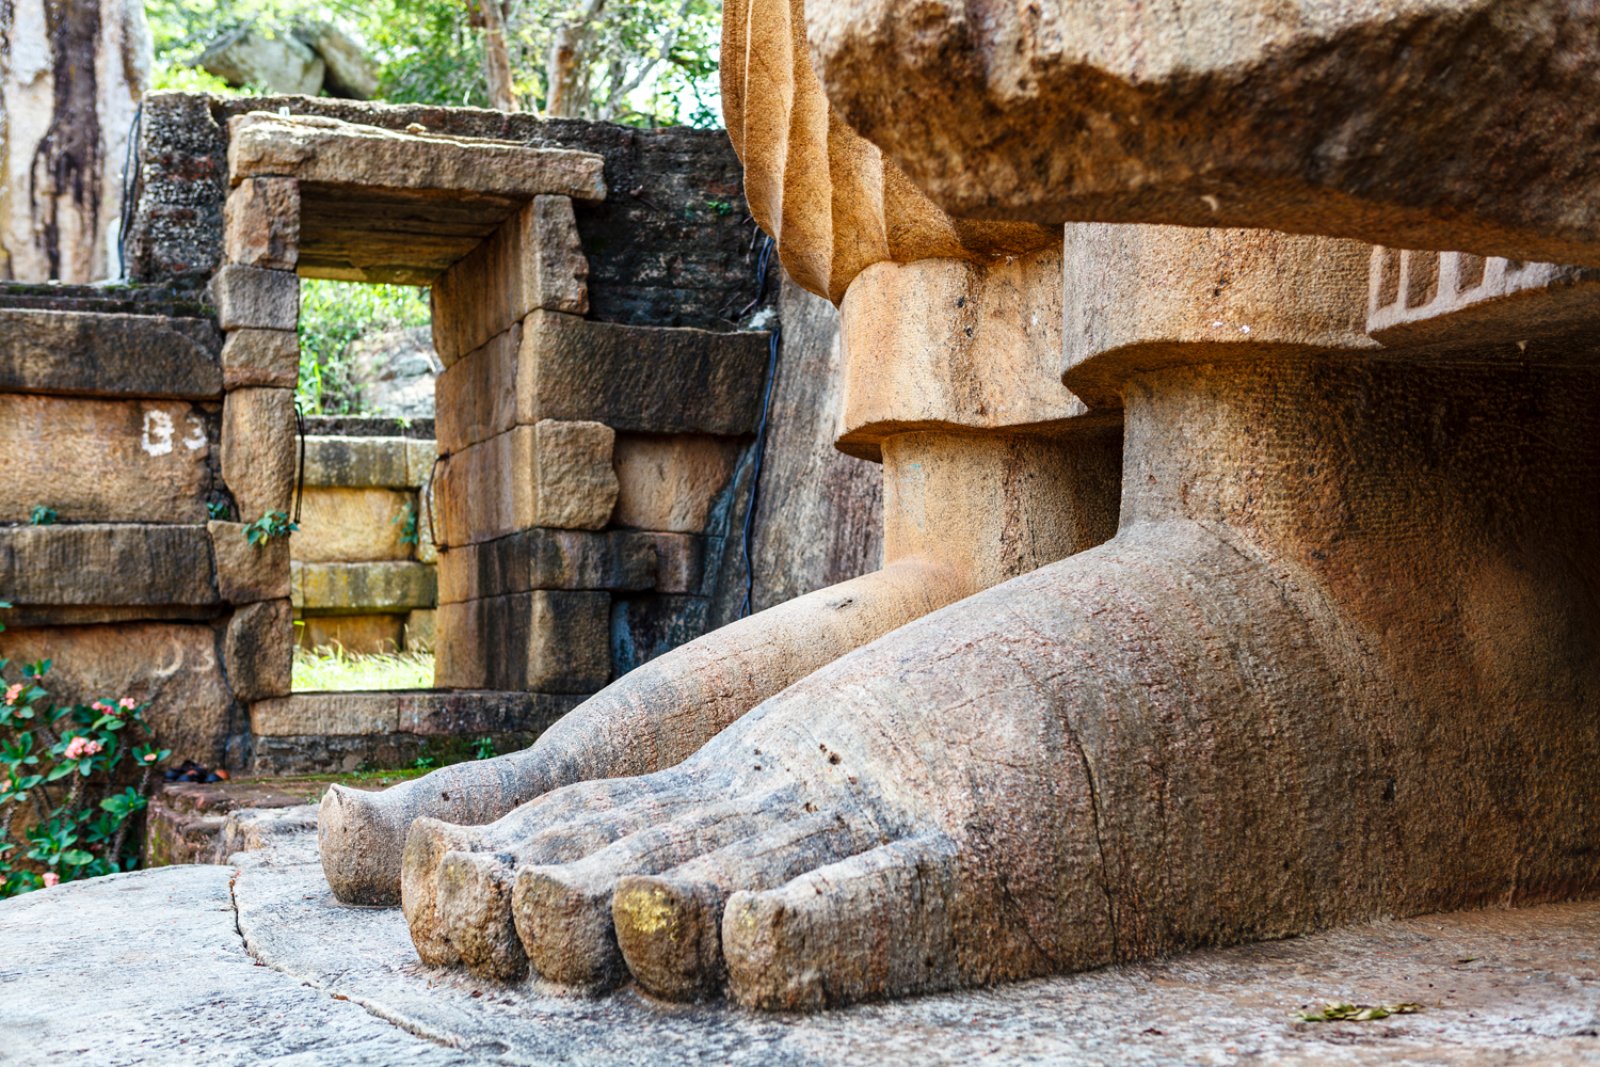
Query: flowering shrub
pixel 63 813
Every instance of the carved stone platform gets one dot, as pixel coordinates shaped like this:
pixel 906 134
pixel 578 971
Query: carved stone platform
pixel 254 962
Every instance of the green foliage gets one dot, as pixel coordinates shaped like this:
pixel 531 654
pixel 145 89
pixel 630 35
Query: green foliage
pixel 483 748
pixel 409 532
pixel 333 669
pixel 43 516
pixel 646 62
pixel 219 509
pixel 65 810
pixel 333 316
pixel 272 524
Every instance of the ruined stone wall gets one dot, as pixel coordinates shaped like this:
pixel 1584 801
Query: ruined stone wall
pixel 669 245
pixel 111 418
pixel 593 462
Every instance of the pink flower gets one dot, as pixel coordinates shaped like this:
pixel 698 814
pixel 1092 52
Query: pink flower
pixel 149 757
pixel 51 878
pixel 13 693
pixel 79 747
pixel 101 706
pixel 129 703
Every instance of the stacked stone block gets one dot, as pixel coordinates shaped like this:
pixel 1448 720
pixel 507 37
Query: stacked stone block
pixel 363 558
pixel 554 431
pixel 257 297
pixel 112 412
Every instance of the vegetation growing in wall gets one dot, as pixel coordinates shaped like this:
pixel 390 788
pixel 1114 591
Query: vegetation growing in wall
pixel 73 779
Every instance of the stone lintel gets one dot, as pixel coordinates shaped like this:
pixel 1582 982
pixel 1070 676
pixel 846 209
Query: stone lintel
pixel 330 152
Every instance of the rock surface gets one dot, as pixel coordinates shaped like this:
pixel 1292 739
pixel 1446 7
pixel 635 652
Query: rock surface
pixel 1413 123
pixel 255 963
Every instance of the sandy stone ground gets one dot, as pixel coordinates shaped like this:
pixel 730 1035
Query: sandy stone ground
pixel 255 963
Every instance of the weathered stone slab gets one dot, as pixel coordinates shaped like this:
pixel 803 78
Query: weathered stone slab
pixel 344 754
pixel 552 474
pixel 258 649
pixel 279 968
pixel 680 563
pixel 354 462
pixel 106 564
pixel 427 713
pixel 175 666
pixel 229 1005
pixel 322 151
pixel 475 398
pixel 246 572
pixel 465 714
pixel 360 634
pixel 354 588
pixel 534 260
pixel 643 378
pixel 338 714
pixel 261 223
pixel 421 453
pixel 1408 123
pixel 548 559
pixel 254 298
pixel 105 460
pixel 93 354
pixel 258 450
pixel 261 357
pixel 1418 298
pixel 543 641
pixel 669 482
pixel 643 628
pixel 353 525
pixel 574 477
pixel 639 378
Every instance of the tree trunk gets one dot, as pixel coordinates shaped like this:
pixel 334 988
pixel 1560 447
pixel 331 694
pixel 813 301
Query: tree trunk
pixel 496 56
pixel 567 73
pixel 71 74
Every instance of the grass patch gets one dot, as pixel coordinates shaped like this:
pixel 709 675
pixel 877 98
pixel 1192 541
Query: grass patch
pixel 333 669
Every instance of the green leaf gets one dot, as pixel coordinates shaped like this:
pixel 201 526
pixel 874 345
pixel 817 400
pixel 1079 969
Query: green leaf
pixel 76 857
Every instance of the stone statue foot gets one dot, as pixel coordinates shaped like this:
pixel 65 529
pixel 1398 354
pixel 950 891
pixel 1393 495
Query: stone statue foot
pixel 666 709
pixel 1249 715
pixel 955 506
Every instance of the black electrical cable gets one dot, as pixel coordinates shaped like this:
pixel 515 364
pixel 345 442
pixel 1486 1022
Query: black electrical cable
pixel 300 478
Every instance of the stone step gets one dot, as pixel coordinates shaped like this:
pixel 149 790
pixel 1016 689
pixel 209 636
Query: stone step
pixel 185 820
